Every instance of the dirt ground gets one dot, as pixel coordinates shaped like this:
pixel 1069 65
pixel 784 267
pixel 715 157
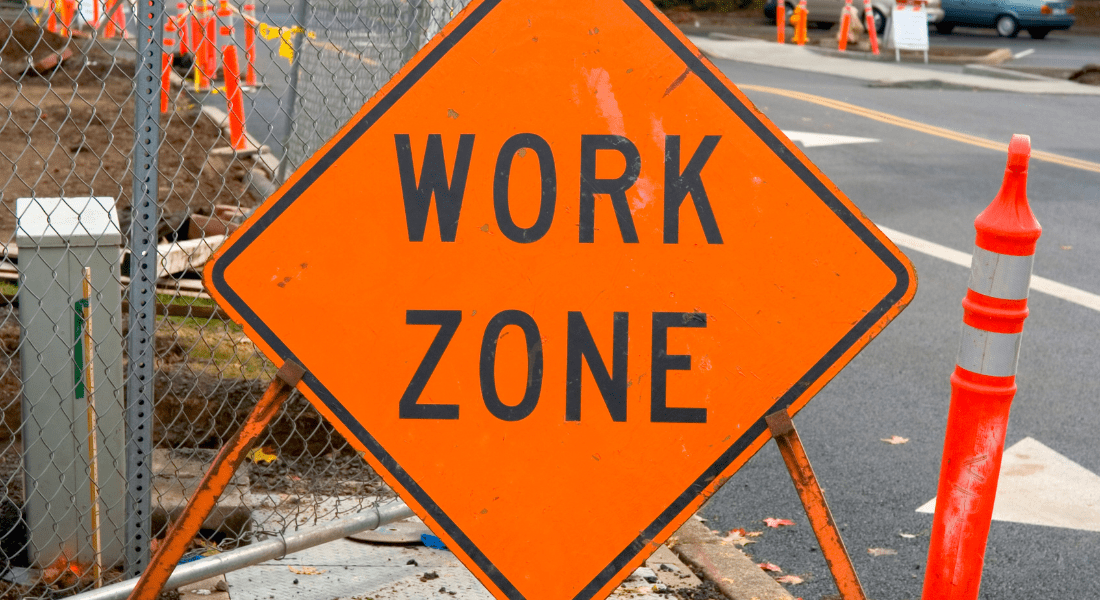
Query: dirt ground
pixel 69 132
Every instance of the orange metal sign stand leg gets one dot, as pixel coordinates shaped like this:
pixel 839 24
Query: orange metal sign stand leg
pixel 229 459
pixel 821 519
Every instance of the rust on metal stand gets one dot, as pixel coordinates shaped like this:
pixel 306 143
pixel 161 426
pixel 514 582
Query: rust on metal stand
pixel 813 500
pixel 229 459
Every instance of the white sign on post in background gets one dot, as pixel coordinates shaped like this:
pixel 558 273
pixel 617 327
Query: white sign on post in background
pixel 909 28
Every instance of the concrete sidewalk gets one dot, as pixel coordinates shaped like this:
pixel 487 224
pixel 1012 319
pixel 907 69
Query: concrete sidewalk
pixel 802 58
pixel 355 570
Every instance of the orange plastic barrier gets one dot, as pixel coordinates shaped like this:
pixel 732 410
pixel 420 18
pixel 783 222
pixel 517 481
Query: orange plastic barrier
pixel 845 27
pixel 249 13
pixel 170 35
pixel 234 98
pixel 869 17
pixel 780 22
pixel 983 384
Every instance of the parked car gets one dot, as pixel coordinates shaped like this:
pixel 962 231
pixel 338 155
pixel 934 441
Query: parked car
pixel 1008 17
pixel 823 14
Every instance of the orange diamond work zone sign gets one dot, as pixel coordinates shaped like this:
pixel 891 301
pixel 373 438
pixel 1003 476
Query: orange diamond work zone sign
pixel 551 279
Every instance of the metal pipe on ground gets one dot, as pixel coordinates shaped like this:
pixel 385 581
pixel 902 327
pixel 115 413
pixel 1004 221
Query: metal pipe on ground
pixel 259 552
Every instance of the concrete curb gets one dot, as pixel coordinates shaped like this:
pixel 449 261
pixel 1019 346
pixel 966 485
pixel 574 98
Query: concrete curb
pixel 728 567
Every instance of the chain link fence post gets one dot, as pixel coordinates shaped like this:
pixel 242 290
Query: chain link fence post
pixel 143 277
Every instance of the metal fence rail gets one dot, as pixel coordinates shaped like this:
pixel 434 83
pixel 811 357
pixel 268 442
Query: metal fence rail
pixel 94 174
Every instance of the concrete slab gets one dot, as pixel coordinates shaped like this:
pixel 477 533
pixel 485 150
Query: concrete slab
pixel 353 570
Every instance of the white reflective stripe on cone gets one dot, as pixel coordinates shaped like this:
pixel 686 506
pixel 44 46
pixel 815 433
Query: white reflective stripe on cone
pixel 1001 276
pixel 989 353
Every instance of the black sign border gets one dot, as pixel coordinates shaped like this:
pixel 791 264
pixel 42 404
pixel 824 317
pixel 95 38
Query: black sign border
pixel 645 537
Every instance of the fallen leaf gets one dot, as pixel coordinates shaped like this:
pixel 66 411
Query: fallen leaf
pixel 908 536
pixel 895 440
pixel 770 522
pixel 755 533
pixel 737 537
pixel 881 551
pixel 305 570
pixel 257 455
pixel 770 567
pixel 791 579
pixel 1067 247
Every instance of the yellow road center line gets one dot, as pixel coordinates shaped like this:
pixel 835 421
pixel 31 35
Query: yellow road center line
pixel 973 140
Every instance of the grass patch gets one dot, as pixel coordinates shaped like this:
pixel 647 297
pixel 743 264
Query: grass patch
pixel 214 347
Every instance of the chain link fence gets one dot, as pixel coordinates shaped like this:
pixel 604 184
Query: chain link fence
pixel 93 175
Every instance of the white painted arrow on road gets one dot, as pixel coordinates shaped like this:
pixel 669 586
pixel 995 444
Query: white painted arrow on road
pixel 813 140
pixel 1038 486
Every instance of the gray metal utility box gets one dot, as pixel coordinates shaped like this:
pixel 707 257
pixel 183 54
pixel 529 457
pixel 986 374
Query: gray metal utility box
pixel 57 238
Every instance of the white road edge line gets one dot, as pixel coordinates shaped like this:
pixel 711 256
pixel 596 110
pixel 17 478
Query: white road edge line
pixel 1027 52
pixel 1039 284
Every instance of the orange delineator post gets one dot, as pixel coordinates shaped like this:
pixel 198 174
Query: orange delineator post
pixel 95 12
pixel 214 482
pixel 845 27
pixel 800 29
pixel 68 13
pixel 166 64
pixel 181 25
pixel 249 13
pixel 210 35
pixel 872 32
pixel 234 98
pixel 116 23
pixel 201 44
pixel 51 16
pixel 780 22
pixel 983 384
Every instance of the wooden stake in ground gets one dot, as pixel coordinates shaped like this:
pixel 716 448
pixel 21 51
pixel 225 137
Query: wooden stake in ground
pixel 89 393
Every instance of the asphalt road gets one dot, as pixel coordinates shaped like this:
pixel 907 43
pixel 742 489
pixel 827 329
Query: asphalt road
pixel 933 188
pixel 1059 50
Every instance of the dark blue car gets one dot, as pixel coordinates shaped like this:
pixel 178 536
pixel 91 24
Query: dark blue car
pixel 1008 17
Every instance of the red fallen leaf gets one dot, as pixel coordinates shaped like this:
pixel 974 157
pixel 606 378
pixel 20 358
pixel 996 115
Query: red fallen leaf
pixel 770 522
pixel 791 579
pixel 738 531
pixel 770 567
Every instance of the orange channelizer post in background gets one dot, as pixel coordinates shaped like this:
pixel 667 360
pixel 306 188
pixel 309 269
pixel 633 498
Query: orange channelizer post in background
pixel 780 22
pixel 116 22
pixel 869 19
pixel 210 29
pixel 51 16
pixel 983 384
pixel 234 98
pixel 249 13
pixel 95 13
pixel 170 35
pixel 845 27
pixel 202 43
pixel 68 13
pixel 181 25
